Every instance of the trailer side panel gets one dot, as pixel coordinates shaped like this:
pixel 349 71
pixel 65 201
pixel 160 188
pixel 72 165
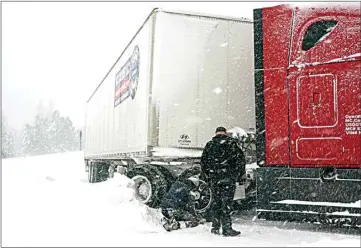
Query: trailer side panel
pixel 203 78
pixel 117 113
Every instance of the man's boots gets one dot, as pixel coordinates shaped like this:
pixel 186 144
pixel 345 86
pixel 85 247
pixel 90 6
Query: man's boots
pixel 227 227
pixel 229 232
pixel 190 224
pixel 170 224
pixel 216 225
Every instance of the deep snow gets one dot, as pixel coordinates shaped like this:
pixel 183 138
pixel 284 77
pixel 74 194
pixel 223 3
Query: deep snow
pixel 47 201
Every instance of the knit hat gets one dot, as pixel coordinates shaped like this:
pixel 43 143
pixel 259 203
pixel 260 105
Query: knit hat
pixel 221 129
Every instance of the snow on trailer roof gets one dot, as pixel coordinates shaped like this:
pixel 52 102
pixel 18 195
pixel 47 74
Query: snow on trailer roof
pixel 179 12
pixel 342 5
pixel 314 5
pixel 318 6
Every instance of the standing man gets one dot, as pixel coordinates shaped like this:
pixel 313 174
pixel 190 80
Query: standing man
pixel 223 163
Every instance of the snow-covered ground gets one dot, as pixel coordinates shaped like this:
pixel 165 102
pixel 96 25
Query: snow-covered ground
pixel 47 201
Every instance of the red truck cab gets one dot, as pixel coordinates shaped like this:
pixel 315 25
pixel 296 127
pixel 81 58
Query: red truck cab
pixel 308 111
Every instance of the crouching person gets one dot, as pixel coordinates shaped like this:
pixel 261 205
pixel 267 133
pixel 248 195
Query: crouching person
pixel 178 204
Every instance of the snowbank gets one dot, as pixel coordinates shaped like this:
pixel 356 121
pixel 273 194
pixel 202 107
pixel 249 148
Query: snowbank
pixel 47 202
pixel 136 214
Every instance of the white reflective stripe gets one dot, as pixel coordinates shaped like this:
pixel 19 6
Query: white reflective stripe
pixel 345 213
pixel 315 178
pixel 331 204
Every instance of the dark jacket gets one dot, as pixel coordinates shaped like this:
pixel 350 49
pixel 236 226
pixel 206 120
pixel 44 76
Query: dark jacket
pixel 223 160
pixel 178 197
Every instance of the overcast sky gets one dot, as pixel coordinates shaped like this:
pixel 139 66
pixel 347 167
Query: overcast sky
pixel 62 50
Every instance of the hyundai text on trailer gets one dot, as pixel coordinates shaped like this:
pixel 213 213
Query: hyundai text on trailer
pixel 291 79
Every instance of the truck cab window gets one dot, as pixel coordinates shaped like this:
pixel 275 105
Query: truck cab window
pixel 317 32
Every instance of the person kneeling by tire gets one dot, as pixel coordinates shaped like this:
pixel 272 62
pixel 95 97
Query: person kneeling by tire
pixel 178 204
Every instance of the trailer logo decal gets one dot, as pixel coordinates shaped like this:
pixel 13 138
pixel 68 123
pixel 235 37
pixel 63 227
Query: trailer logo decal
pixel 126 80
pixel 184 140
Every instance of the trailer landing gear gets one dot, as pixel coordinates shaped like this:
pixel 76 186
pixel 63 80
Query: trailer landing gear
pixel 97 171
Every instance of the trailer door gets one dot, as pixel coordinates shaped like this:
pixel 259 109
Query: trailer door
pixel 324 89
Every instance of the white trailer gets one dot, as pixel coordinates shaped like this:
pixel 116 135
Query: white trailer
pixel 180 77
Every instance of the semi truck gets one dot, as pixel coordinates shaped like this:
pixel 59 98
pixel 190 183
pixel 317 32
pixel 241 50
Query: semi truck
pixel 286 85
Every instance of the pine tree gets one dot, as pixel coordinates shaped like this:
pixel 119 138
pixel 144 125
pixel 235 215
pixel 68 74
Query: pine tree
pixel 42 144
pixel 7 140
pixel 28 140
pixel 64 134
pixel 50 135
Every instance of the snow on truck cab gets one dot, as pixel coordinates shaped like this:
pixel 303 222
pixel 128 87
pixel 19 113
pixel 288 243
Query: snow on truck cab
pixel 291 94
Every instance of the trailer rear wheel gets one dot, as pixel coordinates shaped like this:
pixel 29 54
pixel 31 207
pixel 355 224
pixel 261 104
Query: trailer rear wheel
pixel 143 188
pixel 150 184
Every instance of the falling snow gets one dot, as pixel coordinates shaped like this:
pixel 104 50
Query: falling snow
pixel 217 90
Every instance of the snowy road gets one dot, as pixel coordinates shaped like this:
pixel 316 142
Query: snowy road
pixel 47 201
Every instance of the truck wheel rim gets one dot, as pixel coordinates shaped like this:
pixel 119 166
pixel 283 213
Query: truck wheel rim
pixel 143 188
pixel 205 200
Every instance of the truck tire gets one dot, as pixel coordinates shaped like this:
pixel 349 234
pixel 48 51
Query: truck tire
pixel 97 172
pixel 150 184
pixel 167 175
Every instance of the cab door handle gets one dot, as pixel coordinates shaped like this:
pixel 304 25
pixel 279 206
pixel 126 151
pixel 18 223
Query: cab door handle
pixel 316 99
